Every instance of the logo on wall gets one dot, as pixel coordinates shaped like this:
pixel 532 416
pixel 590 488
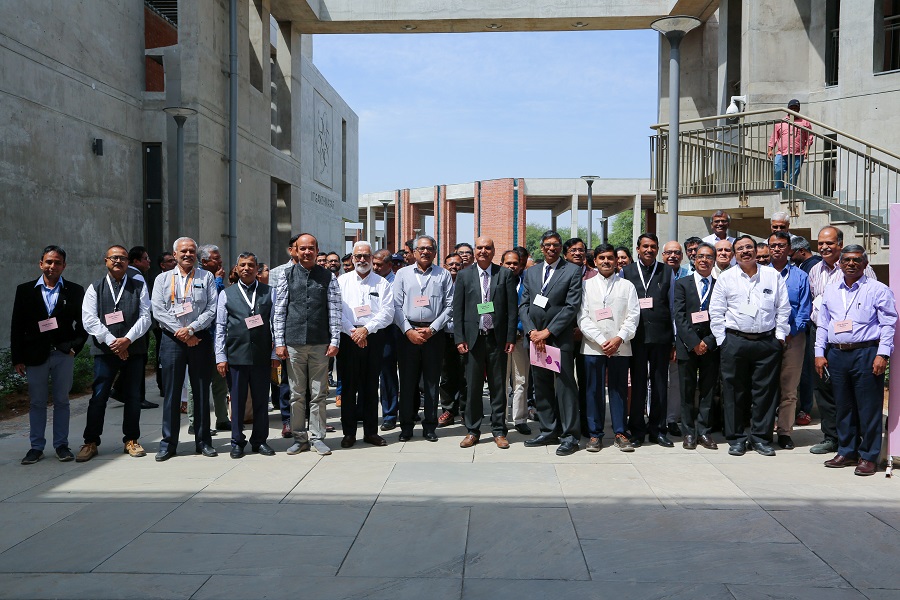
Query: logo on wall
pixel 323 163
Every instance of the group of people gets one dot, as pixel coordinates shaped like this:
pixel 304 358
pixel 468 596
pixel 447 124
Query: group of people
pixel 729 340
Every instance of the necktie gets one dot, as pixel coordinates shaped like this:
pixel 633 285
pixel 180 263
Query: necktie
pixel 547 273
pixel 704 304
pixel 488 321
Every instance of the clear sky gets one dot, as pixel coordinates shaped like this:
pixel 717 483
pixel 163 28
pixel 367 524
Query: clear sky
pixel 453 108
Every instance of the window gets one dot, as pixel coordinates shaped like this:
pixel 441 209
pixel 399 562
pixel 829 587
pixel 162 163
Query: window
pixel 255 24
pixel 887 35
pixel 832 28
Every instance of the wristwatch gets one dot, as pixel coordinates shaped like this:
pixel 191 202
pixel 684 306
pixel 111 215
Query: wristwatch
pixel 190 331
pixel 884 356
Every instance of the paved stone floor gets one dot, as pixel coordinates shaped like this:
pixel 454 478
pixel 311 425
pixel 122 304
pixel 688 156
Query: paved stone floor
pixel 432 520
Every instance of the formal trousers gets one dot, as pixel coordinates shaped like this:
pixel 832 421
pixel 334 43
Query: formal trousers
pixel 518 368
pixel 452 389
pixel 390 382
pixel 808 374
pixel 649 364
pixel 57 369
pixel 360 369
pixel 606 371
pixel 825 401
pixel 174 357
pixel 308 376
pixel 673 392
pixel 750 376
pixel 420 361
pixel 486 358
pixel 581 378
pixel 556 399
pixel 218 388
pixel 859 398
pixel 130 374
pixel 789 382
pixel 697 374
pixel 254 379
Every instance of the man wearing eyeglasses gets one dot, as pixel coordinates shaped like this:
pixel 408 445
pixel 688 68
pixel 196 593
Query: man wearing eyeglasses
pixel 672 257
pixel 423 303
pixel 720 223
pixel 452 388
pixel 781 221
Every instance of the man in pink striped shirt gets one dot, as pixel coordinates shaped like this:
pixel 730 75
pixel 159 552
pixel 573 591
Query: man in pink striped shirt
pixel 790 145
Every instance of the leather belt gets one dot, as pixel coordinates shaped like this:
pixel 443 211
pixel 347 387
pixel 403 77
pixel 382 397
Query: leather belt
pixel 420 323
pixel 484 332
pixel 855 345
pixel 751 336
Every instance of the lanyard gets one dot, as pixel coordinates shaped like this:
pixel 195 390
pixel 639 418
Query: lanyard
pixel 419 279
pixel 640 270
pixel 708 289
pixel 848 306
pixel 187 284
pixel 549 275
pixel 362 289
pixel 251 302
pixel 610 284
pixel 121 291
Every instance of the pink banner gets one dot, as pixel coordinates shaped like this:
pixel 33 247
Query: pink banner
pixel 893 427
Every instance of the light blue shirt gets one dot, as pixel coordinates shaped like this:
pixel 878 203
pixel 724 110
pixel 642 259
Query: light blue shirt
pixel 51 295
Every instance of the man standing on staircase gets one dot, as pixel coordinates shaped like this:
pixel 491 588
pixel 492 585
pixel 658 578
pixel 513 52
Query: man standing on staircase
pixel 790 142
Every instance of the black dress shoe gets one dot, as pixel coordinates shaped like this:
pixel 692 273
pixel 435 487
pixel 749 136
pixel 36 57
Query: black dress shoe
pixel 523 428
pixel 206 450
pixel 737 449
pixel 567 448
pixel 375 440
pixel 707 442
pixel 146 404
pixel 764 449
pixel 542 440
pixel 636 441
pixel 689 443
pixel 785 442
pixel 662 440
pixel 237 452
pixel 405 437
pixel 388 425
pixel 431 436
pixel 674 429
pixel 164 455
pixel 348 441
pixel 263 449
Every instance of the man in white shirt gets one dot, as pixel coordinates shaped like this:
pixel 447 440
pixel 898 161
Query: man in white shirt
pixel 720 222
pixel 367 301
pixel 749 314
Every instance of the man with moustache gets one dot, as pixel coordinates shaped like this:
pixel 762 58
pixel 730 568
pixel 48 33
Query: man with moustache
pixel 724 257
pixel 720 223
pixel 672 257
pixel 452 388
pixel 549 308
pixel 690 250
pixel 390 384
pixel 466 253
pixel 284 389
pixel 652 345
pixel 367 311
pixel 749 314
pixel 763 257
pixel 485 311
pixel 575 252
pixel 211 260
pixel 518 366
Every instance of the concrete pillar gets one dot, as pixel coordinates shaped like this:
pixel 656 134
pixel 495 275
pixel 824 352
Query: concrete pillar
pixel 574 231
pixel 636 226
pixel 370 225
pixel 553 222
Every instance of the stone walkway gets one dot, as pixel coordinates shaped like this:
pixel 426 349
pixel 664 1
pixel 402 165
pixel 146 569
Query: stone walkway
pixel 432 520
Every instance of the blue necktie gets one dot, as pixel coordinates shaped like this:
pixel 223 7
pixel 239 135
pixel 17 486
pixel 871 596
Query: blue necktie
pixel 704 303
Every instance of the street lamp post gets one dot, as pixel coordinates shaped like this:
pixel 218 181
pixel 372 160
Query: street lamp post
pixel 180 114
pixel 674 28
pixel 602 222
pixel 385 203
pixel 589 179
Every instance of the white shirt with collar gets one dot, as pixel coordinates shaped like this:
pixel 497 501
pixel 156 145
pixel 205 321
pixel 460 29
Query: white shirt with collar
pixel 766 291
pixel 621 297
pixel 95 327
pixel 553 267
pixel 373 291
pixel 699 283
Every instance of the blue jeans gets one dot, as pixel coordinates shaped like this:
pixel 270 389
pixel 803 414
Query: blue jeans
pixel 614 370
pixel 58 367
pixel 781 166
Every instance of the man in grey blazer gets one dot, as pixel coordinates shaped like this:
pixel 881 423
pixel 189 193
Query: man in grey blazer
pixel 485 316
pixel 550 303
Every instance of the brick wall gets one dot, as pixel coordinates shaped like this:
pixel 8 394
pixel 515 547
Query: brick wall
pixel 498 214
pixel 447 224
pixel 158 33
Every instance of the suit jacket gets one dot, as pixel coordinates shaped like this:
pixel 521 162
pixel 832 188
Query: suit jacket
pixel 467 296
pixel 564 300
pixel 656 323
pixel 28 345
pixel 687 301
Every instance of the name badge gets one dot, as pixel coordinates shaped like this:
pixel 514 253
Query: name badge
pixel 485 307
pixel 645 302
pixel 843 326
pixel 184 308
pixel 700 316
pixel 421 301
pixel 114 317
pixel 541 301
pixel 748 309
pixel 603 313
pixel 253 321
pixel 47 325
pixel 362 311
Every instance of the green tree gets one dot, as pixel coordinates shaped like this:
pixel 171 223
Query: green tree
pixel 621 234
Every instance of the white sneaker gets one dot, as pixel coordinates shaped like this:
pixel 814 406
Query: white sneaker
pixel 321 447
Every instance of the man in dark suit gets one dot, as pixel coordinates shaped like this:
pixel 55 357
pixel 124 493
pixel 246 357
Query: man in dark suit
pixel 45 335
pixel 696 348
pixel 652 344
pixel 484 316
pixel 549 308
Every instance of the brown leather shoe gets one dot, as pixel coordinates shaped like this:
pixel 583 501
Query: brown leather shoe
pixel 468 441
pixel 446 419
pixel 87 452
pixel 286 431
pixel 375 440
pixel 707 442
pixel 689 442
pixel 501 441
pixel 839 461
pixel 866 467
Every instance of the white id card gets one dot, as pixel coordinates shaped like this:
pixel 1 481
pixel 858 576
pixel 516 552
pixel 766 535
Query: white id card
pixel 362 311
pixel 748 309
pixel 603 313
pixel 645 302
pixel 845 326
pixel 701 316
pixel 185 308
pixel 541 301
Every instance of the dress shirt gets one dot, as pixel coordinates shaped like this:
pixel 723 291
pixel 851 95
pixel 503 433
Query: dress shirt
pixel 222 320
pixel 136 274
pixel 203 304
pixel 712 239
pixel 51 295
pixel 545 277
pixel 276 274
pixel 820 276
pixel 698 281
pixel 869 305
pixel 335 310
pixel 374 291
pixel 788 138
pixel 389 278
pixel 766 290
pixel 621 297
pixel 798 295
pixel 436 284
pixel 95 327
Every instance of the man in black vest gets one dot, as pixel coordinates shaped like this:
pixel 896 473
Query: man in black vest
pixel 307 326
pixel 244 348
pixel 45 335
pixel 652 344
pixel 485 313
pixel 116 313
